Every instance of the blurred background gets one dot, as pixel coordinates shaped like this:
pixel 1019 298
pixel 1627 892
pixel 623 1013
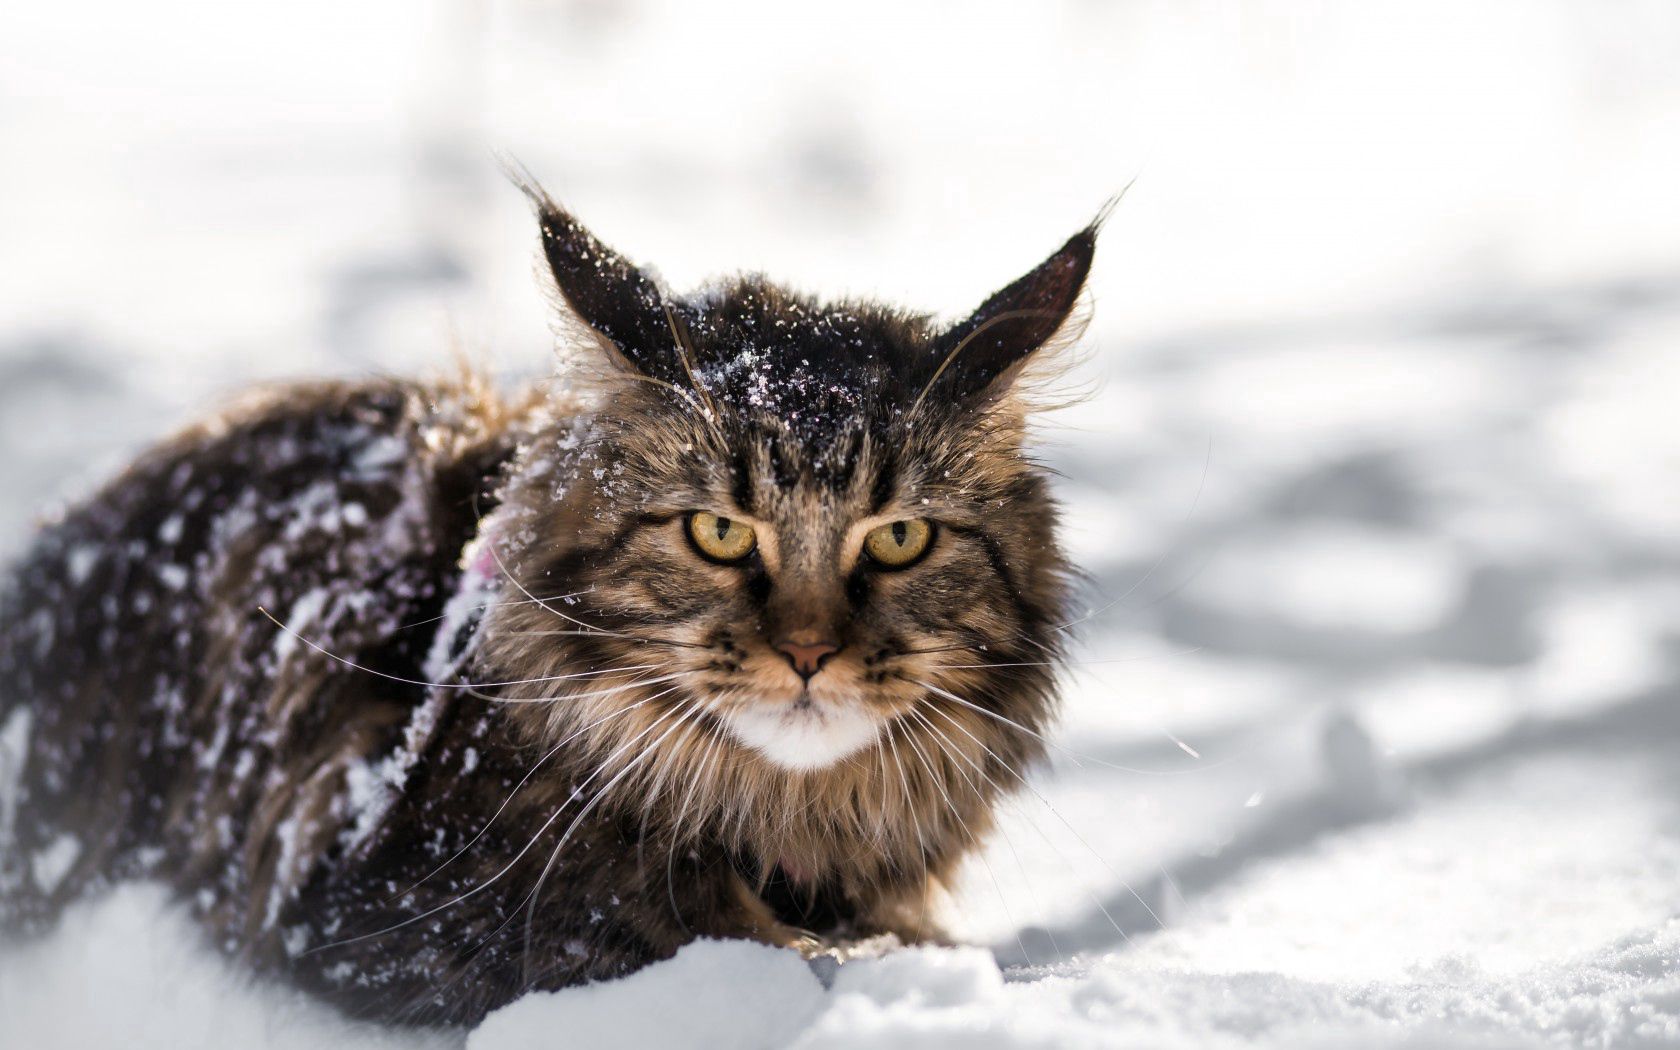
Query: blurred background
pixel 1379 490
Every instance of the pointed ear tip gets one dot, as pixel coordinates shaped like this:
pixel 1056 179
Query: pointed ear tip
pixel 522 179
pixel 1104 213
pixel 553 219
pixel 1080 250
pixel 1084 241
pixel 548 211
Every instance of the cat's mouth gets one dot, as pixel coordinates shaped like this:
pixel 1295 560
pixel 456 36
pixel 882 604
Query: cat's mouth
pixel 807 732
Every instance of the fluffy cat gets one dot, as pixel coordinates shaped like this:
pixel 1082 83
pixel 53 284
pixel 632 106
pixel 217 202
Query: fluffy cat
pixel 423 696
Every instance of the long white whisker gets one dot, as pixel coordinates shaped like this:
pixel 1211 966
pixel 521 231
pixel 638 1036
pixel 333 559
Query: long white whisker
pixel 1022 780
pixel 516 789
pixel 579 696
pixel 487 883
pixel 1195 501
pixel 576 792
pixel 329 654
pixel 915 820
pixel 952 806
pixel 638 639
pixel 657 787
pixel 687 709
pixel 701 775
pixel 1188 650
pixel 491 547
pixel 1038 903
pixel 492 605
pixel 880 837
pixel 1078 759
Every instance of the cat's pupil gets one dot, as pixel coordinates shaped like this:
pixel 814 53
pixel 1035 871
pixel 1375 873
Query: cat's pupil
pixel 723 527
pixel 899 532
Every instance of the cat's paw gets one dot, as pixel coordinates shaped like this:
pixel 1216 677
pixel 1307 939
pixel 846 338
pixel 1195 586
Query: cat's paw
pixel 829 956
pixel 809 945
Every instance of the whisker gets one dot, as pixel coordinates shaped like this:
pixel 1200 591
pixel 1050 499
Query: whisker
pixel 1195 501
pixel 603 634
pixel 509 866
pixel 1072 663
pixel 972 786
pixel 469 686
pixel 687 709
pixel 1022 780
pixel 880 836
pixel 496 555
pixel 654 790
pixel 531 897
pixel 685 355
pixel 939 783
pixel 975 646
pixel 1078 758
pixel 490 546
pixel 517 788
pixel 701 775
pixel 492 698
pixel 1163 729
pixel 915 818
pixel 492 605
pixel 1007 315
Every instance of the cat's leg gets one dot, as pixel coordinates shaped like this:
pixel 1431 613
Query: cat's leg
pixel 910 915
pixel 751 918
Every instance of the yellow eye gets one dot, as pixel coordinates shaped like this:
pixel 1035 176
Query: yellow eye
pixel 898 544
pixel 721 539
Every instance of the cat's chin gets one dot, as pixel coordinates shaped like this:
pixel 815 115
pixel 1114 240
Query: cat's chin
pixel 804 735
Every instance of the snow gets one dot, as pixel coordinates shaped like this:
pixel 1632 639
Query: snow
pixel 478 587
pixel 174 577
pixel 302 621
pixel 55 861
pixel 14 742
pixel 714 993
pixel 1377 491
pixel 1329 574
pixel 131 970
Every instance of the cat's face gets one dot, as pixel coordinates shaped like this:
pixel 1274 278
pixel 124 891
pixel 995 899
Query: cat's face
pixel 808 531
pixel 803 607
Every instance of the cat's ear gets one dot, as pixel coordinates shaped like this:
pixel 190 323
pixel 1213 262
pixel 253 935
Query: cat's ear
pixel 604 290
pixel 984 352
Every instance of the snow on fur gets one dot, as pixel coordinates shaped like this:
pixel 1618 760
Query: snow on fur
pixel 1404 578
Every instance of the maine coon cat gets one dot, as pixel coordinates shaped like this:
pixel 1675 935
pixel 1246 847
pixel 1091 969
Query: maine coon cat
pixel 423 695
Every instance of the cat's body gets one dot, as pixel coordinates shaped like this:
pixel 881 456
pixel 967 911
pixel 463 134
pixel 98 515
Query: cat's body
pixel 423 698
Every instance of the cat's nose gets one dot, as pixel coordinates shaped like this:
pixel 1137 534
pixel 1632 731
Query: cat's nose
pixel 807 657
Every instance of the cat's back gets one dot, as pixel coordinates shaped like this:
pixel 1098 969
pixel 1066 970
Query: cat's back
pixel 297 476
pixel 154 703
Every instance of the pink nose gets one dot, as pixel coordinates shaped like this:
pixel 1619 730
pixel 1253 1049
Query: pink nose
pixel 807 658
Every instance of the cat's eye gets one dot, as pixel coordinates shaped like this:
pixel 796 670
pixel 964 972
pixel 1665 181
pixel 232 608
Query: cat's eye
pixel 720 538
pixel 898 544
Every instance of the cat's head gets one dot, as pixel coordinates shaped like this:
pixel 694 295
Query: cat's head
pixel 808 530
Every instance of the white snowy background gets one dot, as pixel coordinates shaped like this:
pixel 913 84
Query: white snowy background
pixel 1373 737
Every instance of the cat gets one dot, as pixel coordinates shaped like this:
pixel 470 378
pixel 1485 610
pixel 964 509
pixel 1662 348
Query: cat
pixel 422 695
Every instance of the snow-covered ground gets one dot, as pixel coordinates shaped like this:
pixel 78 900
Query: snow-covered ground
pixel 1374 732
